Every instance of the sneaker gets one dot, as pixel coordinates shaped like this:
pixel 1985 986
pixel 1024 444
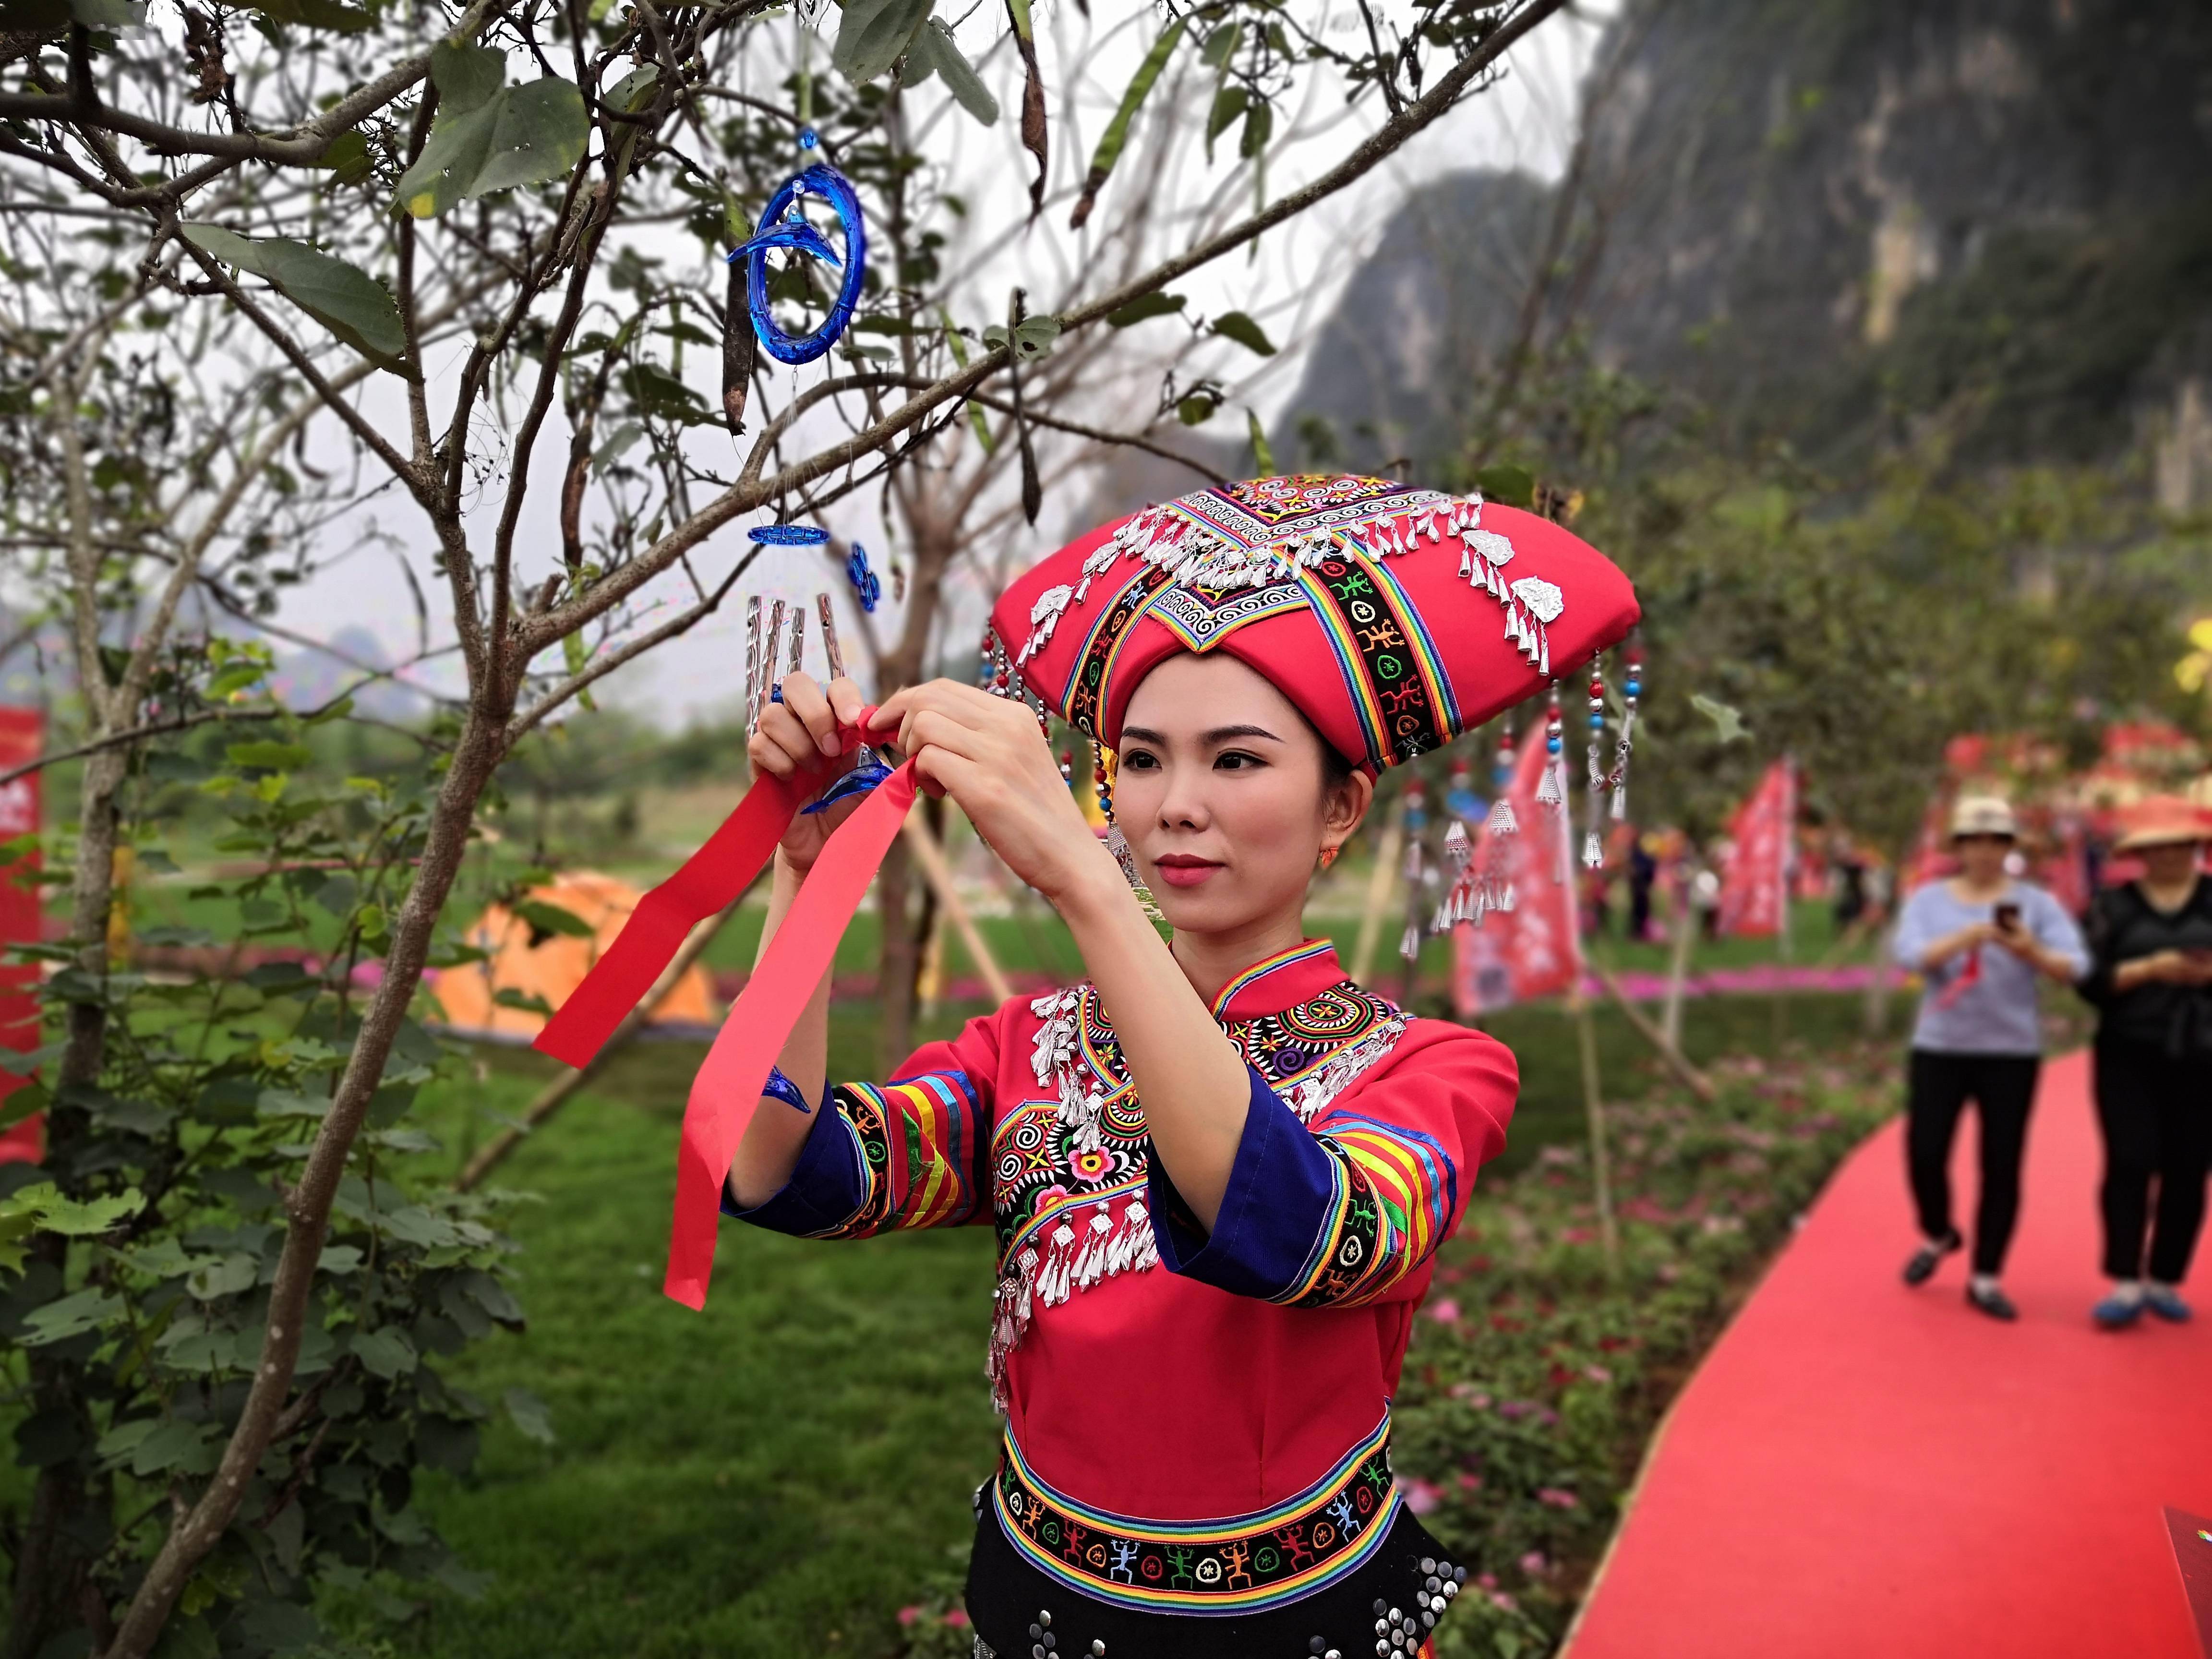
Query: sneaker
pixel 1993 1301
pixel 2162 1300
pixel 1925 1260
pixel 2117 1313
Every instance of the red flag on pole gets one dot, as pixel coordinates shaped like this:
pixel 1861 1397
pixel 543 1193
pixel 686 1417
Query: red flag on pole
pixel 22 735
pixel 1755 883
pixel 1534 948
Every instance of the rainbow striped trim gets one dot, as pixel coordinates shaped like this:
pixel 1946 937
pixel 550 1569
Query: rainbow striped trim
pixel 1244 1564
pixel 925 1152
pixel 1311 948
pixel 1398 1194
pixel 1391 672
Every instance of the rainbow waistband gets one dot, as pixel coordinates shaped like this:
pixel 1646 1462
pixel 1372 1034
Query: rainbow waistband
pixel 1237 1565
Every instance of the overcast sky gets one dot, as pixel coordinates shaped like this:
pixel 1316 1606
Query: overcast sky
pixel 1524 121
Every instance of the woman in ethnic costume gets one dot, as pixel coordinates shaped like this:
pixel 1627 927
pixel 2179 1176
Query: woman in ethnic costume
pixel 1218 1170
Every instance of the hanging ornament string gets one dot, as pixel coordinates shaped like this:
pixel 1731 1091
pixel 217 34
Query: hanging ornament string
pixel 784 226
pixel 1631 688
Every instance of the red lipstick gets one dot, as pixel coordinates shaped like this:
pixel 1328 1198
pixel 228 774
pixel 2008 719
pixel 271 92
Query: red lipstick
pixel 1182 870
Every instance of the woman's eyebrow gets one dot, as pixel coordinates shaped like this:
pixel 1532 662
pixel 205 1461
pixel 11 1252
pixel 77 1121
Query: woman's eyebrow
pixel 1142 734
pixel 1224 733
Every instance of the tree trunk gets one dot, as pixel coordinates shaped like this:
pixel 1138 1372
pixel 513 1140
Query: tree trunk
pixel 72 1503
pixel 307 1207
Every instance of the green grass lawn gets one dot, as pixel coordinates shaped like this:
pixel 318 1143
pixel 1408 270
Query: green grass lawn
pixel 779 1476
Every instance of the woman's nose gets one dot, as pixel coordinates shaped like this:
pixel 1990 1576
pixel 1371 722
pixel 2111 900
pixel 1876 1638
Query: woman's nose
pixel 1183 806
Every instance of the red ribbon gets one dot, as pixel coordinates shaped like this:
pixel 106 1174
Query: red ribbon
pixel 728 1090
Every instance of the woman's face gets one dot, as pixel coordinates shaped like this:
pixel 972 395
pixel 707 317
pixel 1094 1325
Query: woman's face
pixel 1982 858
pixel 1221 792
pixel 2171 865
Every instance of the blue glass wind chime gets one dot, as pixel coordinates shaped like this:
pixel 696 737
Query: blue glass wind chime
pixel 784 226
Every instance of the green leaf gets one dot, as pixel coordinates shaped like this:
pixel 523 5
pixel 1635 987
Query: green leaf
pixel 1728 722
pixel 316 15
pixel 1111 142
pixel 344 298
pixel 1144 307
pixel 75 1218
pixel 935 52
pixel 507 997
pixel 1263 454
pixel 875 34
pixel 227 1276
pixel 1196 409
pixel 266 755
pixel 530 1415
pixel 347 157
pixel 72 1315
pixel 1259 127
pixel 1033 336
pixel 1228 104
pixel 1221 45
pixel 1238 326
pixel 385 1353
pixel 1512 486
pixel 184 1448
pixel 544 918
pixel 467 76
pixel 522 135
pixel 634 92
pixel 105 14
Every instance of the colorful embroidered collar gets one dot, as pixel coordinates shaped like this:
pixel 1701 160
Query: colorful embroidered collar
pixel 1282 981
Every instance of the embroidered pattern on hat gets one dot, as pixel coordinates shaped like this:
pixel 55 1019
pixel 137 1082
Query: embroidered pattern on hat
pixel 1266 532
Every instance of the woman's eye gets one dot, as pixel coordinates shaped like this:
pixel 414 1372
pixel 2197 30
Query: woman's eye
pixel 1235 760
pixel 1138 761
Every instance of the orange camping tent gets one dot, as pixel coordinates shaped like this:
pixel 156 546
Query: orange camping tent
pixel 532 963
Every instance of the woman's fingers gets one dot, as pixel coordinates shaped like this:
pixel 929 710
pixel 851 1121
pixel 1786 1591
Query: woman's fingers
pixel 782 743
pixel 846 701
pixel 803 698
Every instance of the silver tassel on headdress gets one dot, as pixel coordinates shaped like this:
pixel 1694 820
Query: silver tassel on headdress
pixel 1594 843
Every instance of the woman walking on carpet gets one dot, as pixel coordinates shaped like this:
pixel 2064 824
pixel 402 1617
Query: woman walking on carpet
pixel 2152 984
pixel 1980 939
pixel 1218 1170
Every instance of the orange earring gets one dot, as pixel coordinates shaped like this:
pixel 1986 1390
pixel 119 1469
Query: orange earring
pixel 1329 855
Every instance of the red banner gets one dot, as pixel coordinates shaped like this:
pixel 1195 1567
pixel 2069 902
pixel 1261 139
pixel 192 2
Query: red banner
pixel 22 739
pixel 1755 882
pixel 1534 950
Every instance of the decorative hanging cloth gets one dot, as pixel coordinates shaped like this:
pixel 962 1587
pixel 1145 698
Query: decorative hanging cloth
pixel 728 1090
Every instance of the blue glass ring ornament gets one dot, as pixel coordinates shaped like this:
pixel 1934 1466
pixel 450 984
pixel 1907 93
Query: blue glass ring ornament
pixel 867 588
pixel 788 535
pixel 782 226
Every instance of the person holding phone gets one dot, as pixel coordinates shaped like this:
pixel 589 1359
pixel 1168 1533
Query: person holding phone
pixel 1980 940
pixel 2151 980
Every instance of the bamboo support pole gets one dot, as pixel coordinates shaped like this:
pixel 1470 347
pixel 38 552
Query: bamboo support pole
pixel 934 870
pixel 1609 1231
pixel 557 1093
pixel 1677 1062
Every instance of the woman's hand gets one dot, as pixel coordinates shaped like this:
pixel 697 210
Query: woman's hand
pixel 798 737
pixel 2161 967
pixel 1972 937
pixel 988 754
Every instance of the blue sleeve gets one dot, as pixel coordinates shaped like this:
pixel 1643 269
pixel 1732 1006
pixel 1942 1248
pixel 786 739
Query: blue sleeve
pixel 826 1188
pixel 1282 1190
pixel 2055 930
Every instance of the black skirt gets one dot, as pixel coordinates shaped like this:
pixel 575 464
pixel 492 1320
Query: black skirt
pixel 1386 1606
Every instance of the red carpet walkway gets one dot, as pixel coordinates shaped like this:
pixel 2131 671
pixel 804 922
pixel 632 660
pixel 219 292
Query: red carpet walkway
pixel 1861 1470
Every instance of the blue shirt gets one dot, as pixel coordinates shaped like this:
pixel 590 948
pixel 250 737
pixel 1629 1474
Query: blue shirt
pixel 1995 1013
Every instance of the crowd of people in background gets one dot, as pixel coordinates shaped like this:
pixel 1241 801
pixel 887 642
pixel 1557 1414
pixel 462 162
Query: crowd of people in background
pixel 1982 940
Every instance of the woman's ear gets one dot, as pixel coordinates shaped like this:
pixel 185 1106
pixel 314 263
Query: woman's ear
pixel 1346 809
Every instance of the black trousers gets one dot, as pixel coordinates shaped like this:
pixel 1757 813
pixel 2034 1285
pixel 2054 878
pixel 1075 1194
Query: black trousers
pixel 2002 1088
pixel 2157 1113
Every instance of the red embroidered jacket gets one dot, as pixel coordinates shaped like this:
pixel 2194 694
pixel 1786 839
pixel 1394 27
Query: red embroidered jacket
pixel 1146 1369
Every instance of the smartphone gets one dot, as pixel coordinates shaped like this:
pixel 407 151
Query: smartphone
pixel 2007 917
